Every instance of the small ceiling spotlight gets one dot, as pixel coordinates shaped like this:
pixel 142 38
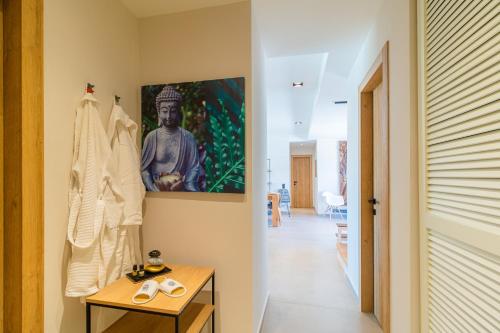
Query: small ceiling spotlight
pixel 297 84
pixel 298 123
pixel 340 102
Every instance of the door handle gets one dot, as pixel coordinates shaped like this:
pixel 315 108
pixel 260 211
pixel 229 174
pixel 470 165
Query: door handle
pixel 373 201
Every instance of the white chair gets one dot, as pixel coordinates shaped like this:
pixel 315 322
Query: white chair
pixel 334 202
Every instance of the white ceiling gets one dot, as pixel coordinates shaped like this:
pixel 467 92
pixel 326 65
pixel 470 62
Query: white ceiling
pixel 286 104
pixel 338 27
pixel 303 146
pixel 146 8
pixel 313 104
pixel 318 41
pixel 329 120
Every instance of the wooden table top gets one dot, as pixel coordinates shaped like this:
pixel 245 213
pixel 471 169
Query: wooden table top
pixel 120 292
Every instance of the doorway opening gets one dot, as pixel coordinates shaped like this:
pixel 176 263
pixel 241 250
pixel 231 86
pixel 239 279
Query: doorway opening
pixel 307 163
pixel 302 181
pixel 302 175
pixel 374 192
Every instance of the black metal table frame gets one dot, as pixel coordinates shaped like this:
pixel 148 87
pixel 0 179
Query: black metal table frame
pixel 88 306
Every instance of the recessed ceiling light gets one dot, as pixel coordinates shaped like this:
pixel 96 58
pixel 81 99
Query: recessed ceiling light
pixel 298 123
pixel 340 102
pixel 297 84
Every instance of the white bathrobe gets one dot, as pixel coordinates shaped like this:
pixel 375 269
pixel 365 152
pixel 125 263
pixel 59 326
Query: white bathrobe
pixel 122 134
pixel 96 204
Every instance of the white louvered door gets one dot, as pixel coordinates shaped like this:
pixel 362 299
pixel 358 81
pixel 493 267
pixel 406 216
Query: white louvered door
pixel 459 70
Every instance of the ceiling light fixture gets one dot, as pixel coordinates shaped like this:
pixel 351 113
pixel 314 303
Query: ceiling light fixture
pixel 297 84
pixel 298 123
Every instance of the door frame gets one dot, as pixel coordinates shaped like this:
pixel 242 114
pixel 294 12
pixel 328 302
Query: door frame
pixel 1 173
pixel 377 75
pixel 311 187
pixel 22 144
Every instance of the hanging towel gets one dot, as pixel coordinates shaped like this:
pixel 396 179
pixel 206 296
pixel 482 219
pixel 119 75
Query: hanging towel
pixel 96 204
pixel 122 134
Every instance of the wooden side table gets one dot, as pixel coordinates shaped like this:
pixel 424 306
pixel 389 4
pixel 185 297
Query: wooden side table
pixel 162 314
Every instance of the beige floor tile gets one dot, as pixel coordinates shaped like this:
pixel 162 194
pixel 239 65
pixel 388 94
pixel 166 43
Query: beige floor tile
pixel 298 318
pixel 309 291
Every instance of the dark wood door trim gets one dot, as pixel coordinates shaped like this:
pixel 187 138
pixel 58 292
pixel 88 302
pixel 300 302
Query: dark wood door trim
pixel 377 75
pixel 23 165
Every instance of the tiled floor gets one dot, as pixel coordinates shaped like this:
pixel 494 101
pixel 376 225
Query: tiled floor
pixel 309 292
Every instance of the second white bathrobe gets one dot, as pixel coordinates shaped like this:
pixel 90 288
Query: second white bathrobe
pixel 122 134
pixel 96 204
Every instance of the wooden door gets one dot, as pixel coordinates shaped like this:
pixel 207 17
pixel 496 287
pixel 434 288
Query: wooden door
pixel 459 124
pixel 301 182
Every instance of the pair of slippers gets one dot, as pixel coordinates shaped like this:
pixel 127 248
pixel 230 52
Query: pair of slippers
pixel 150 288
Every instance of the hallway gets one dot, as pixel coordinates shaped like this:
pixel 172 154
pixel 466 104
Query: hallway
pixel 308 289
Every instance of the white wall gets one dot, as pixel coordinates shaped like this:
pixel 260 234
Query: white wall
pixel 260 253
pixel 328 170
pixel 85 41
pixel 101 42
pixel 278 148
pixel 207 228
pixel 396 24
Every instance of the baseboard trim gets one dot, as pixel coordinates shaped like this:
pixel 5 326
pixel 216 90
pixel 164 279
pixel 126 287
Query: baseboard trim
pixel 261 321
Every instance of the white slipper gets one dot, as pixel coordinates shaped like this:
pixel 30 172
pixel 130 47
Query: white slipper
pixel 147 292
pixel 171 288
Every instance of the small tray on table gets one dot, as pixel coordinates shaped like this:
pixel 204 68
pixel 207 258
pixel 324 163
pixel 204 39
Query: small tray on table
pixel 147 275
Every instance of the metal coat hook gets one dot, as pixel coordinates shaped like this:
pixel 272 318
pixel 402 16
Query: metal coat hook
pixel 90 88
pixel 117 99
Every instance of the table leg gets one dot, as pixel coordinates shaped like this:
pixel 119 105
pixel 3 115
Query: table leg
pixel 213 303
pixel 88 326
pixel 176 324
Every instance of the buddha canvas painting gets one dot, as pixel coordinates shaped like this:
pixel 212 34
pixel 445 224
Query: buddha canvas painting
pixel 193 136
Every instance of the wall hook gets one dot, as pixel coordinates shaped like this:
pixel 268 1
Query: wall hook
pixel 90 88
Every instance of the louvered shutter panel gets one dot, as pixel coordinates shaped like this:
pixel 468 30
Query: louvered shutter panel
pixel 460 165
